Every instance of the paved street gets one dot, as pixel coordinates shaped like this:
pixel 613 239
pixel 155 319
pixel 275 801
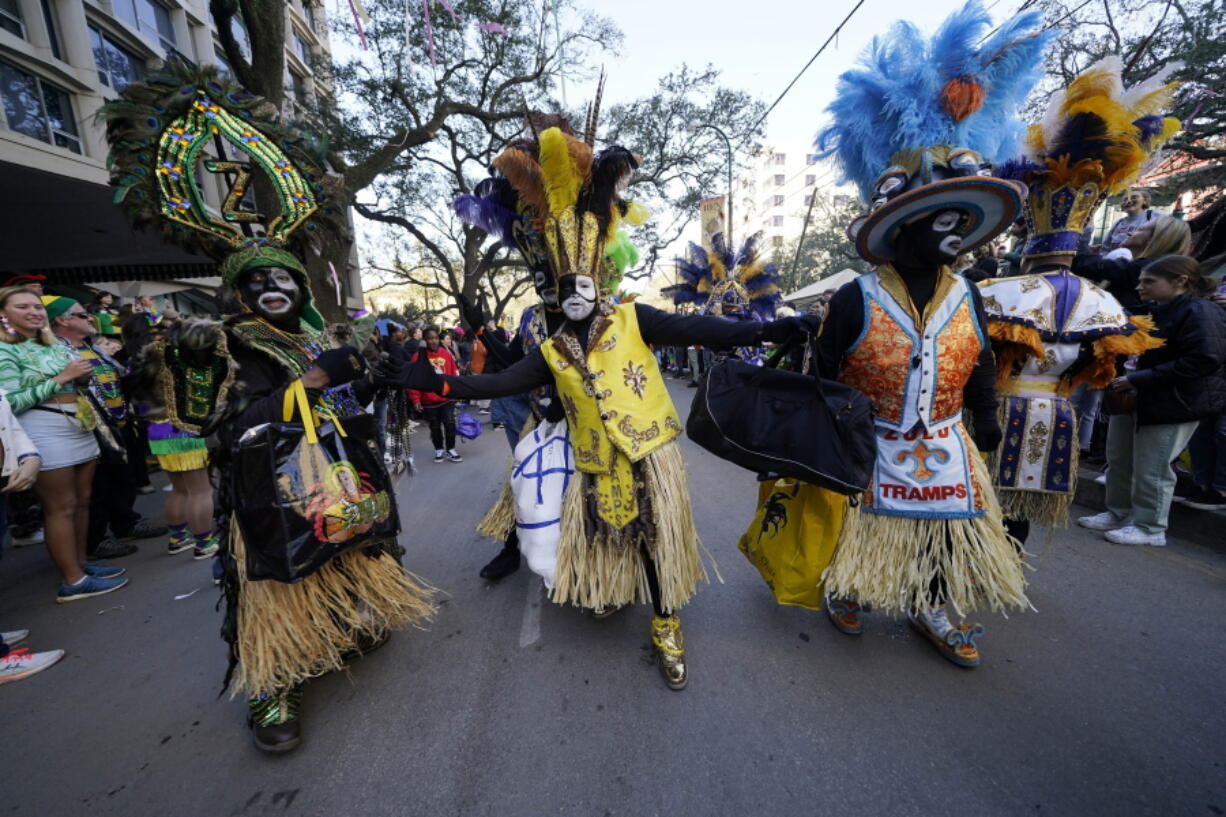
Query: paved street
pixel 1108 700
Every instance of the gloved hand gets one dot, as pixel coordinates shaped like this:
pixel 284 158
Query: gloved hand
pixel 471 313
pixel 986 434
pixel 388 374
pixel 341 365
pixel 784 329
pixel 422 377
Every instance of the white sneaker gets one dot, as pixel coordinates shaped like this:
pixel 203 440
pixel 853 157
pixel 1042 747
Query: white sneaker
pixel 937 621
pixel 22 663
pixel 1132 535
pixel 454 456
pixel 1102 521
pixel 14 638
pixel 35 538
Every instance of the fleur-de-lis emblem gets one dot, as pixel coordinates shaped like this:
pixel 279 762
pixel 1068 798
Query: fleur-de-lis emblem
pixel 920 454
pixel 636 378
pixel 171 170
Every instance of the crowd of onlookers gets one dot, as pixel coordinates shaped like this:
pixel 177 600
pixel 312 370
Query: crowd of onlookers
pixel 77 447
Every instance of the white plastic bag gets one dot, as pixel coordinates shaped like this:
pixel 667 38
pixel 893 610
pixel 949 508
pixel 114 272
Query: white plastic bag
pixel 544 466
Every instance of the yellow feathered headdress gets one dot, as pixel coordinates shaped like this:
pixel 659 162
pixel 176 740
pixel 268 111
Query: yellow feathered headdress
pixel 1095 140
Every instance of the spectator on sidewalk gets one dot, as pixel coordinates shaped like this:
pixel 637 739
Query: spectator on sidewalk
pixel 1137 213
pixel 1160 236
pixel 439 410
pixel 18 664
pixel 29 280
pixel 1175 388
pixel 113 496
pixel 41 379
pixel 102 316
pixel 1208 445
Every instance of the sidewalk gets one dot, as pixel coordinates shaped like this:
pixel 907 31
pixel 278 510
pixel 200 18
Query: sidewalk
pixel 1206 528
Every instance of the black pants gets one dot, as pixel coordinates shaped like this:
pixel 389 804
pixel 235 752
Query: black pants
pixel 110 503
pixel 442 425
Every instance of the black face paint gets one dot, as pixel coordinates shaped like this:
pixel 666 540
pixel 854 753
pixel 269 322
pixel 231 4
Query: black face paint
pixel 542 282
pixel 934 240
pixel 273 294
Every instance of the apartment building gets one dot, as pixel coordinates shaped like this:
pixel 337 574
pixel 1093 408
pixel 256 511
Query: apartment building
pixel 775 192
pixel 60 60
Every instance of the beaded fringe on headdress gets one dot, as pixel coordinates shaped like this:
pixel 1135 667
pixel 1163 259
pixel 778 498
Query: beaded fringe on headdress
pixel 890 561
pixel 288 633
pixel 599 568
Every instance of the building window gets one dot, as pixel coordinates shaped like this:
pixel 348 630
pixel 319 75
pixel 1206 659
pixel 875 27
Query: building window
pixel 776 241
pixel 778 201
pixel 809 200
pixel 780 180
pixel 52 34
pixel 308 14
pixel 148 18
pixel 38 109
pixel 117 66
pixel 301 49
pixel 843 201
pixel 779 158
pixel 296 88
pixel 222 64
pixel 810 179
pixel 10 18
pixel 811 159
pixel 776 221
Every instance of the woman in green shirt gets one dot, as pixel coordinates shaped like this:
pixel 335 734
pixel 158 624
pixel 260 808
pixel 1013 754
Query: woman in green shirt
pixel 40 377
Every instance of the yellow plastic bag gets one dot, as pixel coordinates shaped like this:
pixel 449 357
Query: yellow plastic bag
pixel 792 539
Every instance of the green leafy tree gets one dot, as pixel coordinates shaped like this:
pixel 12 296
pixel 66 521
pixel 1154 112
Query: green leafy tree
pixel 824 248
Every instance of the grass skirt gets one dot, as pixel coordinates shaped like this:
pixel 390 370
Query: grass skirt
pixel 890 561
pixel 288 633
pixel 600 567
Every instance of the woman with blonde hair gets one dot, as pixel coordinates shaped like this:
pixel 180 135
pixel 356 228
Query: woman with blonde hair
pixel 41 379
pixel 1164 235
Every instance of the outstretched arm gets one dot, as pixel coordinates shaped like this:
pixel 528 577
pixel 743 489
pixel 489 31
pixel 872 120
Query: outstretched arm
pixel 530 373
pixel 665 329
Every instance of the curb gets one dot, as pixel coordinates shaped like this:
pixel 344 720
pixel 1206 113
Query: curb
pixel 1205 528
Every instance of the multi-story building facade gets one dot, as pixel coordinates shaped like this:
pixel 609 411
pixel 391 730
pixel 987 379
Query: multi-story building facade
pixel 60 60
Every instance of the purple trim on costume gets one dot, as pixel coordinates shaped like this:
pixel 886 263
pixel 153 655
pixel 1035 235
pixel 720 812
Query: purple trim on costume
pixel 1060 447
pixel 1067 287
pixel 166 430
pixel 1062 242
pixel 1011 446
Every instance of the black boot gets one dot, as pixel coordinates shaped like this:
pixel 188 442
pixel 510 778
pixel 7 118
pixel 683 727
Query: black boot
pixel 275 720
pixel 506 562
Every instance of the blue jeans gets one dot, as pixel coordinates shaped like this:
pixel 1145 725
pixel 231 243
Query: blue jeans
pixel 1087 402
pixel 1208 450
pixel 512 412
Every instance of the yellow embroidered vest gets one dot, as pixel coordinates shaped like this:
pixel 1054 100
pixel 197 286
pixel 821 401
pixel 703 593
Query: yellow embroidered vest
pixel 615 399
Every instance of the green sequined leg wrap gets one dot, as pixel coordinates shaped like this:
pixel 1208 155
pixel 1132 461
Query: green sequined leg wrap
pixel 276 708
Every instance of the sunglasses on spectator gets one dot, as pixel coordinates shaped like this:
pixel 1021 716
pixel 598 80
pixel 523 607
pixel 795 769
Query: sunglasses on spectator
pixel 77 315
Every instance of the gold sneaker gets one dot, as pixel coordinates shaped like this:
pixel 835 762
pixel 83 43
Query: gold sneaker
pixel 670 649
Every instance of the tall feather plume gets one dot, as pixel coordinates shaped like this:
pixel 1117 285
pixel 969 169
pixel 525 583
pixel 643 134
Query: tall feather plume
pixel 558 171
pixel 492 208
pixel 524 174
pixel 701 271
pixel 955 89
pixel 1096 129
pixel 611 169
pixel 593 114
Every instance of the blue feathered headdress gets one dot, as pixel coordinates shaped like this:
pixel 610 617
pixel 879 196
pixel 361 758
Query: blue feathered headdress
pixel 723 277
pixel 956 89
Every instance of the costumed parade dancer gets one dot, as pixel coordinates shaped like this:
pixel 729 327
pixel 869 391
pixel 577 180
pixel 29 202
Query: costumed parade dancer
pixel 1054 331
pixel 914 128
pixel 736 286
pixel 270 354
pixel 627 532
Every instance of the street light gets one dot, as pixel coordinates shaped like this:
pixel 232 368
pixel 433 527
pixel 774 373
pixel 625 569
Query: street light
pixel 693 127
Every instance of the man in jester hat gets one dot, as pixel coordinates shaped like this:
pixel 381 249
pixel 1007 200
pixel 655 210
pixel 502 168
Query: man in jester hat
pixel 234 380
pixel 626 529
pixel 1054 331
pixel 914 127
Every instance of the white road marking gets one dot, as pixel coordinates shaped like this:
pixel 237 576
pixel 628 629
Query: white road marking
pixel 530 628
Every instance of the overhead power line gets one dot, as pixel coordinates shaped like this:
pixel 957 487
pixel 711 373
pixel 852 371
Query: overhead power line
pixel 795 79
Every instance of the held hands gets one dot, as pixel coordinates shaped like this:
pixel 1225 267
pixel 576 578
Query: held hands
pixel 782 330
pixel 422 377
pixel 987 434
pixel 334 367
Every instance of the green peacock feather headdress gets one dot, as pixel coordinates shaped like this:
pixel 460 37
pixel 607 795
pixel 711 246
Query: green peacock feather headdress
pixel 161 132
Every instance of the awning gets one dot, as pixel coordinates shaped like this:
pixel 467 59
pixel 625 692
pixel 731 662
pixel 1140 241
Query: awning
pixel 828 284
